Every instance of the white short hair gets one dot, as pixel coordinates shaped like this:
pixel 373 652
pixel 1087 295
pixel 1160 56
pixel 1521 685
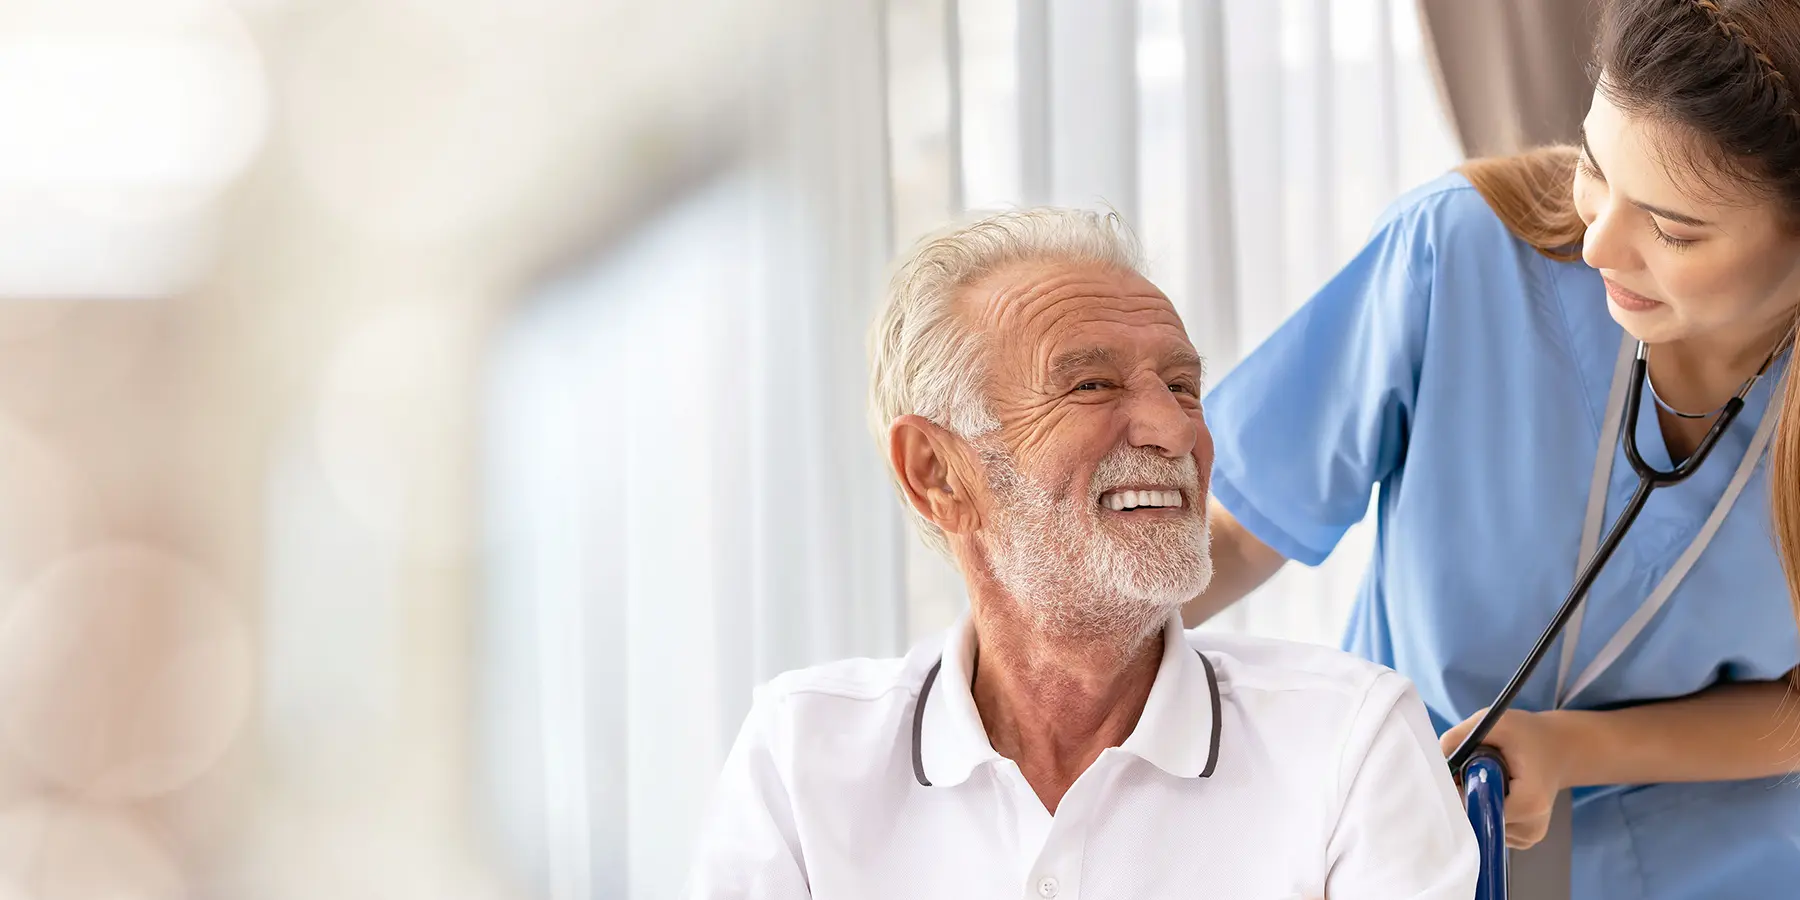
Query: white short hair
pixel 925 358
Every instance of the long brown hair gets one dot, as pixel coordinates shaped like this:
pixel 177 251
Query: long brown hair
pixel 1728 73
pixel 1531 193
pixel 1784 485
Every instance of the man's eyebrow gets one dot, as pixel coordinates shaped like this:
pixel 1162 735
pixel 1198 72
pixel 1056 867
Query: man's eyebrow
pixel 1074 362
pixel 1658 211
pixel 1071 362
pixel 1184 359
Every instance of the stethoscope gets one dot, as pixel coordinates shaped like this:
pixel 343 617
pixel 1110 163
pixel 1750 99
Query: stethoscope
pixel 1649 479
pixel 1480 768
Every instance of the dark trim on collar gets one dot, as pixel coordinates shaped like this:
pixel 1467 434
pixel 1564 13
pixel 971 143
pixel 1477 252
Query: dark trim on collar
pixel 918 724
pixel 1212 684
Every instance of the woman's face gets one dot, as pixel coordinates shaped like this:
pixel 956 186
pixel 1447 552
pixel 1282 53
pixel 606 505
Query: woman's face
pixel 1685 255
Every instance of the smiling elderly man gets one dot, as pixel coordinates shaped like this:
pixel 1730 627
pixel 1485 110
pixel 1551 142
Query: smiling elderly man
pixel 1039 401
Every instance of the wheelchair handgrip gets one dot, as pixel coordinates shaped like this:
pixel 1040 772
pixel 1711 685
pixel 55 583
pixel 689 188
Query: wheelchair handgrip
pixel 1484 796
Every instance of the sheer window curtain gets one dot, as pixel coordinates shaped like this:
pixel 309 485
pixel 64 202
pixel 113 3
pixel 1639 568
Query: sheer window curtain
pixel 1251 145
pixel 682 495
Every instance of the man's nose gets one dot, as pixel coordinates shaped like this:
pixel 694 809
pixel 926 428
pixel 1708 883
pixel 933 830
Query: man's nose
pixel 1160 422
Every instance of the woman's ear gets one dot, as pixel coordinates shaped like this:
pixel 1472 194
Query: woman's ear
pixel 931 465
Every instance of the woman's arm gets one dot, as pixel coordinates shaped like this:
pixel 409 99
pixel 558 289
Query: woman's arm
pixel 1725 733
pixel 1241 563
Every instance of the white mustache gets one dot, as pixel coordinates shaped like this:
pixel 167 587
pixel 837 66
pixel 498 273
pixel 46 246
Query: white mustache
pixel 1126 466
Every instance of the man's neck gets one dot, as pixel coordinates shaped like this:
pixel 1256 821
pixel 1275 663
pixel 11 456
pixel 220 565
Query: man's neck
pixel 1051 702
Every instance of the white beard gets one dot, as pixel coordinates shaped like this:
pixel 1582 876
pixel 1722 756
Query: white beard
pixel 1078 575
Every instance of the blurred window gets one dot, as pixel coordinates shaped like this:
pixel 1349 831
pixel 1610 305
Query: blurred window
pixel 681 494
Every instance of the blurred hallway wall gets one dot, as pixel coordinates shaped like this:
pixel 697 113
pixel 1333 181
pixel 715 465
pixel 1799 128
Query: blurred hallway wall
pixel 237 522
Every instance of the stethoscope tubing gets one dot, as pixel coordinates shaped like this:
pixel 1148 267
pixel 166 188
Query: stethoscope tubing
pixel 1649 479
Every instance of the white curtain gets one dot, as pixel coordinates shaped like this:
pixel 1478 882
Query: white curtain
pixel 1251 144
pixel 682 495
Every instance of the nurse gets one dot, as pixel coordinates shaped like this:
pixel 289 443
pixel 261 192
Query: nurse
pixel 1469 364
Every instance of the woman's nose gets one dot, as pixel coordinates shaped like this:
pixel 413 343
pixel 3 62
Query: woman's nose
pixel 1605 245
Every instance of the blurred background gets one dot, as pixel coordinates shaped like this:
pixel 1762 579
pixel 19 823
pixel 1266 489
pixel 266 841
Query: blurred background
pixel 422 422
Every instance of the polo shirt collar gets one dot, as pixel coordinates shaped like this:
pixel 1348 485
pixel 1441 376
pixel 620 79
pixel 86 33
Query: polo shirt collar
pixel 949 740
pixel 1178 731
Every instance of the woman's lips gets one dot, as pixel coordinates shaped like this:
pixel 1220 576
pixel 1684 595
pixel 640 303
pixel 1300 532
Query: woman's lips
pixel 1629 300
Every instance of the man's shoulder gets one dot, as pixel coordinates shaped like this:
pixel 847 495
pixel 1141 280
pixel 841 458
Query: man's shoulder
pixel 1335 703
pixel 857 680
pixel 1250 665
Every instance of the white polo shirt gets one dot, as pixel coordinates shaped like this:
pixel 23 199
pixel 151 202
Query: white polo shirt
pixel 1259 770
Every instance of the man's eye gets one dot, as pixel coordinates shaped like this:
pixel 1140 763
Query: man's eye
pixel 1090 385
pixel 1181 387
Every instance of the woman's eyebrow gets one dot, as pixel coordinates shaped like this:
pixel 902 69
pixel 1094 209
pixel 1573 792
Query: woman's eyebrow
pixel 1657 211
pixel 1671 215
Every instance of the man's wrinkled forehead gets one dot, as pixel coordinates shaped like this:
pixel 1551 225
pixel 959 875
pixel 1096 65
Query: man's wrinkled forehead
pixel 1042 307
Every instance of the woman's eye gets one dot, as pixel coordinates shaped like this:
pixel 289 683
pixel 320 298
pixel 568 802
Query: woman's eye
pixel 1667 239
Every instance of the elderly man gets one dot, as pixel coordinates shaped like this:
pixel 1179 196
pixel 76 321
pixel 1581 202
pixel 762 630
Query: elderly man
pixel 1039 401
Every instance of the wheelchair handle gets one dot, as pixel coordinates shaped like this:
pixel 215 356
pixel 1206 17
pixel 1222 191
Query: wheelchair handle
pixel 1483 780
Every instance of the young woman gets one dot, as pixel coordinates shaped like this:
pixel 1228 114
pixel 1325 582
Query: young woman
pixel 1470 363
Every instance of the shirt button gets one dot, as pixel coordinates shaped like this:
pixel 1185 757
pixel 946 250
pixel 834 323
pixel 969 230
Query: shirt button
pixel 1047 888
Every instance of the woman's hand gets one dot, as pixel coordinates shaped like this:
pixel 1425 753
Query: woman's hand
pixel 1538 748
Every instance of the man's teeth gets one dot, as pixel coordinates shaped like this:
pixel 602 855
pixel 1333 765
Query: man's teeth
pixel 1123 500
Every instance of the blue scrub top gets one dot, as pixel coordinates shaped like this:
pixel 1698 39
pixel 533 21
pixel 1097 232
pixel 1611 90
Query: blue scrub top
pixel 1467 375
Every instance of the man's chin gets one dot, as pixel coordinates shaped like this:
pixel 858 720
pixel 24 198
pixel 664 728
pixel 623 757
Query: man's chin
pixel 1160 545
pixel 1171 595
pixel 1168 581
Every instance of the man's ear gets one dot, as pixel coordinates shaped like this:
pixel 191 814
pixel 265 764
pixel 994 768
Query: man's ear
pixel 932 467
